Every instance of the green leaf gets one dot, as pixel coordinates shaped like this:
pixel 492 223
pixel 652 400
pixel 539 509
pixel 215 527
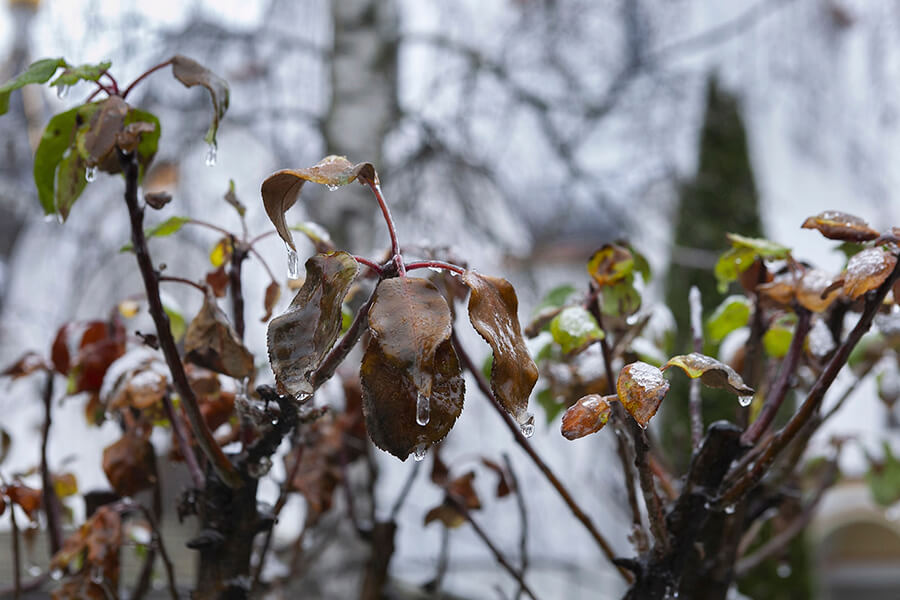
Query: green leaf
pixel 176 323
pixel 574 327
pixel 760 246
pixel 640 264
pixel 317 234
pixel 86 72
pixel 711 372
pixel 621 299
pixel 883 478
pixel 556 297
pixel 742 254
pixel 777 340
pixel 488 365
pixel 346 319
pixel 166 228
pixel 37 72
pixel 70 182
pixel 731 314
pixel 56 139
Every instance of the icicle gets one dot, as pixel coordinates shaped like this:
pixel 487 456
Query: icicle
pixel 527 426
pixel 745 400
pixel 62 91
pixel 90 174
pixel 423 409
pixel 420 452
pixel 332 187
pixel 293 263
pixel 729 510
pixel 211 155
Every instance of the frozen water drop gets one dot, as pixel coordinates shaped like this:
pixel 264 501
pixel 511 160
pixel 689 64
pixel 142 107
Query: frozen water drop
pixel 332 187
pixel 423 409
pixel 420 452
pixel 34 570
pixel 62 91
pixel 527 426
pixel 783 570
pixel 56 574
pixel 729 510
pixel 90 174
pixel 259 469
pixel 293 263
pixel 745 400
pixel 211 155
pixel 436 269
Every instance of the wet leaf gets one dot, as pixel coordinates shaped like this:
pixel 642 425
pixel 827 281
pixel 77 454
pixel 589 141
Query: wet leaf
pixel 621 299
pixel 37 72
pixel 93 548
pixel 191 73
pixel 641 388
pixel 836 225
pixel 70 183
pixel 300 338
pixel 218 281
pixel 27 364
pixel 761 247
pixel 711 372
pixel 28 499
pixel 812 291
pixel 743 253
pixel 390 399
pixel 493 311
pixel 573 328
pixel 130 464
pixel 147 140
pixel 141 388
pixel 273 293
pixel 731 314
pixel 232 199
pixel 86 72
pixel 211 342
pixel 867 270
pixel 55 141
pixel 883 477
pixel 610 264
pixel 587 416
pixel 281 189
pixel 96 140
pixel 157 200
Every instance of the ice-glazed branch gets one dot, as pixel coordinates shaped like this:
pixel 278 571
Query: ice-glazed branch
pixel 392 230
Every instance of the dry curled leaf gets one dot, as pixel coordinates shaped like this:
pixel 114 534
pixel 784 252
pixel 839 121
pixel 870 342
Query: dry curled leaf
pixel 157 200
pixel 281 189
pixel 867 270
pixel 28 499
pixel 91 551
pixel 711 372
pixel 191 73
pixel 273 293
pixel 493 311
pixel 27 364
pixel 130 464
pixel 641 388
pixel 836 225
pixel 300 338
pixel 505 484
pixel 586 416
pixel 218 280
pixel 211 342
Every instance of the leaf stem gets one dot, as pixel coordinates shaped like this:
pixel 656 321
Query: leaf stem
pixel 386 212
pixel 112 79
pixel 435 264
pixel 223 467
pixel 183 281
pixel 371 264
pixel 187 452
pixel 143 75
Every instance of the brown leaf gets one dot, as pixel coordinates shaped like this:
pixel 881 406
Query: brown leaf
pixel 811 291
pixel 447 514
pixel 440 474
pixel 157 199
pixel 273 293
pixel 461 491
pixel 867 270
pixel 711 372
pixel 95 547
pixel 141 388
pixel 130 464
pixel 504 481
pixel 28 499
pixel 587 416
pixel 130 136
pixel 300 338
pixel 836 225
pixel 218 281
pixel 98 141
pixel 211 342
pixel 493 311
pixel 780 290
pixel 391 400
pixel 27 364
pixel 191 73
pixel 641 388
pixel 281 189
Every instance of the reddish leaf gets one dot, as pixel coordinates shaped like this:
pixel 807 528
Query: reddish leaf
pixel 211 342
pixel 218 281
pixel 281 189
pixel 273 293
pixel 93 549
pixel 461 491
pixel 28 499
pixel 493 311
pixel 504 482
pixel 867 270
pixel 836 225
pixel 27 364
pixel 130 464
pixel 711 372
pixel 300 338
pixel 641 389
pixel 586 416
pixel 140 388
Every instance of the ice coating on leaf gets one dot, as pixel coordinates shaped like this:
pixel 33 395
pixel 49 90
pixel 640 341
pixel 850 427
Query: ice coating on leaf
pixel 641 388
pixel 711 372
pixel 410 318
pixel 390 400
pixel 811 290
pixel 281 189
pixel 836 225
pixel 586 416
pixel 867 270
pixel 300 338
pixel 493 311
pixel 574 327
pixel 211 342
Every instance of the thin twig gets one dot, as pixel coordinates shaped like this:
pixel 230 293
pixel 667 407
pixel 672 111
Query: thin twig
pixel 386 212
pixel 695 400
pixel 187 452
pixel 145 74
pixel 158 543
pixel 16 564
pixel 655 512
pixel 404 491
pixel 238 255
pixel 435 264
pixel 181 280
pixel 523 520
pixel 49 498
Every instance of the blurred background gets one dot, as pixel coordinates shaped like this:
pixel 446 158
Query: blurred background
pixel 519 134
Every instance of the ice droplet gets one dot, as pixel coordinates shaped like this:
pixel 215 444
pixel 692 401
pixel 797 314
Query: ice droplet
pixel 423 409
pixel 729 510
pixel 527 426
pixel 62 91
pixel 97 575
pixel 211 155
pixel 34 570
pixel 745 400
pixel 783 570
pixel 293 263
pixel 436 269
pixel 90 174
pixel 259 469
pixel 332 187
pixel 56 574
pixel 420 452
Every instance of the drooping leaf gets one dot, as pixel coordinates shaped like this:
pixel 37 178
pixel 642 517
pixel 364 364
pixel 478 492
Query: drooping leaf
pixel 711 372
pixel 70 182
pixel 232 199
pixel 391 399
pixel 27 364
pixel 586 416
pixel 147 139
pixel 493 311
pixel 86 72
pixel 221 252
pixel 191 73
pixel 610 264
pixel 65 484
pixel 273 293
pixel 281 189
pixel 867 270
pixel 37 72
pixel 641 388
pixel 211 342
pixel 505 484
pixel 130 464
pixel 883 477
pixel 836 225
pixel 812 291
pixel 58 136
pixel 574 327
pixel 731 314
pixel 300 338
pixel 27 498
